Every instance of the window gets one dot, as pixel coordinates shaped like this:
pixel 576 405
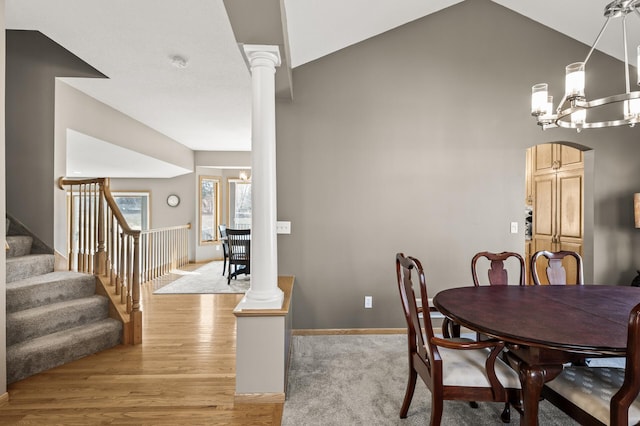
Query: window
pixel 209 209
pixel 239 204
pixel 134 206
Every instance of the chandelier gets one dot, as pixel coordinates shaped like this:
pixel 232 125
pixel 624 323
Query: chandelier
pixel 574 110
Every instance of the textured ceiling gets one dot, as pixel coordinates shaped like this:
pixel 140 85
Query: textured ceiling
pixel 207 105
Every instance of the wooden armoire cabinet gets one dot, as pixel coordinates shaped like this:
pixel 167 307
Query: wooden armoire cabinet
pixel 557 186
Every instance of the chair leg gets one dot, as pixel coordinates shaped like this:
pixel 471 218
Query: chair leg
pixel 436 410
pixel 224 265
pixel 473 404
pixel 408 395
pixel 506 413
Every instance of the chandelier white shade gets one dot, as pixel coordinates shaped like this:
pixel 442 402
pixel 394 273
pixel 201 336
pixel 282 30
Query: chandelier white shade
pixel 575 111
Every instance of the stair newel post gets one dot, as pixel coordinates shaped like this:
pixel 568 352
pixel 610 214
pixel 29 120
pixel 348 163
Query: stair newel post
pixel 136 314
pixel 100 266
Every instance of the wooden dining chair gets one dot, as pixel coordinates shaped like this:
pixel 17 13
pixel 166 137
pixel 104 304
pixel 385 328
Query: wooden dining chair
pixel 497 273
pixel 239 241
pixel 222 229
pixel 602 395
pixel 452 369
pixel 556 274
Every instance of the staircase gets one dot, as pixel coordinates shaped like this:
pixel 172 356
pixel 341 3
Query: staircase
pixel 52 317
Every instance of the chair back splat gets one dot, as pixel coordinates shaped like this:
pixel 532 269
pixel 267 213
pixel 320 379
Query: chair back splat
pixel 497 273
pixel 452 369
pixel 239 241
pixel 557 264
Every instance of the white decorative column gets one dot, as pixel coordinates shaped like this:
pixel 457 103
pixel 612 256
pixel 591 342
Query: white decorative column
pixel 264 292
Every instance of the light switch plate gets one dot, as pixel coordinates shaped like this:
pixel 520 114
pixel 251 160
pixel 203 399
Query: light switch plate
pixel 368 302
pixel 283 227
pixel 514 227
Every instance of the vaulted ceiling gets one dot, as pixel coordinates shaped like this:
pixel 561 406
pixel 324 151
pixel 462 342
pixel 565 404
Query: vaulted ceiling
pixel 205 102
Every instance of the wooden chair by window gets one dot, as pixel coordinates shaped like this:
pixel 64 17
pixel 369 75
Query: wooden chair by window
pixel 239 241
pixel 556 274
pixel 452 369
pixel 602 395
pixel 222 229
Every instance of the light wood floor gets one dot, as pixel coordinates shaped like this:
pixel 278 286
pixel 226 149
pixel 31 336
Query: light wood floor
pixel 182 373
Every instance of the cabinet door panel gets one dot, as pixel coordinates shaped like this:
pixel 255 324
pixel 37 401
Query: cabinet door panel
pixel 527 173
pixel 544 205
pixel 570 204
pixel 543 158
pixel 570 157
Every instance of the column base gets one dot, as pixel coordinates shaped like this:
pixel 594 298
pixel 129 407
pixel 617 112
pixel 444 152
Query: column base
pixel 272 300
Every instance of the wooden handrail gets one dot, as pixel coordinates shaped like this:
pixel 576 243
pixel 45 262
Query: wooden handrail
pixel 101 242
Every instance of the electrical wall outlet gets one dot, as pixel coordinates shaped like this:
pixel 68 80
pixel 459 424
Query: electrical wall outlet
pixel 368 302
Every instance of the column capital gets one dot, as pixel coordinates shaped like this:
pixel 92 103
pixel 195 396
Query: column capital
pixel 257 54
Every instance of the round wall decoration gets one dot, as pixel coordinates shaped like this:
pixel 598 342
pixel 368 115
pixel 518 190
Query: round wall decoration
pixel 173 200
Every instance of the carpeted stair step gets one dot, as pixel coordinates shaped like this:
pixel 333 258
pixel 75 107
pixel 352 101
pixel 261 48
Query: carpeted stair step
pixel 48 319
pixel 33 356
pixel 19 245
pixel 19 268
pixel 53 287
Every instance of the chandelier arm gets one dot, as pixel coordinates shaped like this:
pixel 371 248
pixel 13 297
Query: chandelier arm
pixel 572 109
pixel 561 103
pixel 595 43
pixel 626 55
pixel 562 118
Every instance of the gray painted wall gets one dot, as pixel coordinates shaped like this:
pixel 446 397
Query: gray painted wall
pixel 415 141
pixel 33 62
pixel 3 210
pixel 161 214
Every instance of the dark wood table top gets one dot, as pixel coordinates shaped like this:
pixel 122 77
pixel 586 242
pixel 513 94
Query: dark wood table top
pixel 582 319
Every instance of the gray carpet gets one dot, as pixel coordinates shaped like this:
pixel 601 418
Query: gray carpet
pixel 205 280
pixel 361 379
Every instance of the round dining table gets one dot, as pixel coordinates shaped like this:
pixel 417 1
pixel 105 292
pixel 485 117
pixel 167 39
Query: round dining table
pixel 544 326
